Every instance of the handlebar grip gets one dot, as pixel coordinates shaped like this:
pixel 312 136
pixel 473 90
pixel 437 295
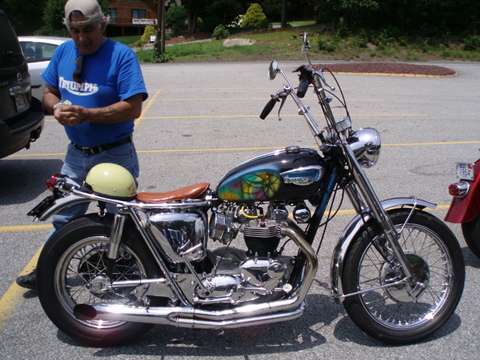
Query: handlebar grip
pixel 302 88
pixel 266 110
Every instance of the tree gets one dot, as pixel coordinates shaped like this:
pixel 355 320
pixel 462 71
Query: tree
pixel 195 9
pixel 53 15
pixel 105 5
pixel 221 12
pixel 283 20
pixel 24 15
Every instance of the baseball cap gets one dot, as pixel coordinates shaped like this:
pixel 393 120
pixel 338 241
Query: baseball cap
pixel 89 8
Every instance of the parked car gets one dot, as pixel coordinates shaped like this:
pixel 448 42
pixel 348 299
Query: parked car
pixel 38 51
pixel 21 115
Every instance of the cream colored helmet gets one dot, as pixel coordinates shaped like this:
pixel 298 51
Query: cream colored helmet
pixel 112 180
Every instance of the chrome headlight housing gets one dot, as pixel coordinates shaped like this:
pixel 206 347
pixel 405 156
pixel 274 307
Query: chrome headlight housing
pixel 366 145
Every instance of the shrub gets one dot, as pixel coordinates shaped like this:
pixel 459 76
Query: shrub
pixel 361 41
pixel 160 58
pixel 471 43
pixel 176 19
pixel 163 58
pixel 237 22
pixel 327 46
pixel 149 31
pixel 220 32
pixel 254 17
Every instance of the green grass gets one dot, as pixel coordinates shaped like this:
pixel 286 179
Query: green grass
pixel 286 44
pixel 298 23
pixel 127 40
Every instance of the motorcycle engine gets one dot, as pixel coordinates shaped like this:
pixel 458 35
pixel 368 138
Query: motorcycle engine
pixel 260 231
pixel 258 271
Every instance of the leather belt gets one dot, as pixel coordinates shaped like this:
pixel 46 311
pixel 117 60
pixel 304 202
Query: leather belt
pixel 98 149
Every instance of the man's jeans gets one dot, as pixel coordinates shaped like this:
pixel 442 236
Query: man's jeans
pixel 77 165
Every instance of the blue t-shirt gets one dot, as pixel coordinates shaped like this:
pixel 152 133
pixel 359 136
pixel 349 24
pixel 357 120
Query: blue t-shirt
pixel 109 75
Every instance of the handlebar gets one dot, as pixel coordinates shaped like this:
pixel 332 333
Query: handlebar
pixel 268 108
pixel 309 76
pixel 306 78
pixel 302 87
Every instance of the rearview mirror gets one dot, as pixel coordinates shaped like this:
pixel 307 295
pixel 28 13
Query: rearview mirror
pixel 305 44
pixel 273 69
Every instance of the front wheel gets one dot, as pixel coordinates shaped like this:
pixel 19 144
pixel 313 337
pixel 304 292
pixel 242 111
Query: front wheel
pixel 72 270
pixel 385 307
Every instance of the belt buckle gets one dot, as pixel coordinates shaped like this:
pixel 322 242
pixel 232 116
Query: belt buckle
pixel 87 150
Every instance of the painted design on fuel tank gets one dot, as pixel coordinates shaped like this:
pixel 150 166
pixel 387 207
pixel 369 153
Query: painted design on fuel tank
pixel 259 185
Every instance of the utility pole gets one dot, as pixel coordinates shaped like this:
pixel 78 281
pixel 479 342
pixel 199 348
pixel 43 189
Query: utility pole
pixel 161 27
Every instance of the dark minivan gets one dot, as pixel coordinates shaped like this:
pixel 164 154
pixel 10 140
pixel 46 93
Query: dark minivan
pixel 21 115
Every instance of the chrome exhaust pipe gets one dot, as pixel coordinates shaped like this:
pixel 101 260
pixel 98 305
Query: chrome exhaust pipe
pixel 186 317
pixel 244 315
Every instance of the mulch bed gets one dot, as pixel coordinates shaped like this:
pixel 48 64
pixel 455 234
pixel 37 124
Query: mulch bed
pixel 185 37
pixel 398 69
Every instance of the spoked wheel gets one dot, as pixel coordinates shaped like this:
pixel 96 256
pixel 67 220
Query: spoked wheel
pixel 72 270
pixel 471 233
pixel 385 306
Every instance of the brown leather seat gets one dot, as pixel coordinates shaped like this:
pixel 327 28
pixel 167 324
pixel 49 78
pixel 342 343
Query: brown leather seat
pixel 189 192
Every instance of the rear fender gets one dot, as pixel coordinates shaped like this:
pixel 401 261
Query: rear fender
pixel 466 209
pixel 353 228
pixel 60 204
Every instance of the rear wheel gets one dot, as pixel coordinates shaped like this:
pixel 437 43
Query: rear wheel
pixel 386 308
pixel 72 271
pixel 471 233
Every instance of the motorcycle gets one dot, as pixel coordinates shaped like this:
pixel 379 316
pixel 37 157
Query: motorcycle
pixel 178 258
pixel 465 206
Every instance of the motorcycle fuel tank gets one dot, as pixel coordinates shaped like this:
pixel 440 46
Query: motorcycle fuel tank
pixel 292 174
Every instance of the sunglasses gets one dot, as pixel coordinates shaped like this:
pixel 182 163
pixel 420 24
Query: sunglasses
pixel 77 74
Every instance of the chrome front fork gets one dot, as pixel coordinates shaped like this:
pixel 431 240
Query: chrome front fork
pixel 364 188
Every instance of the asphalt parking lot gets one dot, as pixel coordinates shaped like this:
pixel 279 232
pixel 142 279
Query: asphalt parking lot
pixel 201 120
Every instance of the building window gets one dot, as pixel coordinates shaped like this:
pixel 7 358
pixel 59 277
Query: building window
pixel 139 13
pixel 113 15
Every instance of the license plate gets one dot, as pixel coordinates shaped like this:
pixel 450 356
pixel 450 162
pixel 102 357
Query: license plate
pixel 20 102
pixel 465 171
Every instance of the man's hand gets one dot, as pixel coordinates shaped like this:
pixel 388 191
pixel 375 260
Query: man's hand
pixel 74 115
pixel 71 115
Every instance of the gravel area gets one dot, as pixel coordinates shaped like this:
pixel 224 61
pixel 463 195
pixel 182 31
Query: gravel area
pixel 394 69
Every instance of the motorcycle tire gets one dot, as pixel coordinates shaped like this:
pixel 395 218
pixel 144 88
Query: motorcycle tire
pixel 471 234
pixel 383 306
pixel 71 266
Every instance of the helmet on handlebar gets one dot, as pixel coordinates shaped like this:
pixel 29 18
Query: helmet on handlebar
pixel 111 180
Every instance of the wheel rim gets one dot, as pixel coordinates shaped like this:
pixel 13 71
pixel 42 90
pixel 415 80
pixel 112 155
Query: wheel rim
pixel 80 277
pixel 392 307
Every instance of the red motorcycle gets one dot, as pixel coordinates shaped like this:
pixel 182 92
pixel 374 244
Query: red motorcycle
pixel 465 206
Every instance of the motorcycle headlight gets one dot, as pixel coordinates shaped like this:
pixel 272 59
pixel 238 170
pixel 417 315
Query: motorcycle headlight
pixel 366 146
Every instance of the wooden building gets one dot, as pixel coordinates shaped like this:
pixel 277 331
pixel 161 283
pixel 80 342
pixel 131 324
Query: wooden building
pixel 129 17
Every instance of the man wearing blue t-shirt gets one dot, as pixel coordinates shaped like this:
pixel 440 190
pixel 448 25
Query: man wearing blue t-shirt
pixel 95 89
